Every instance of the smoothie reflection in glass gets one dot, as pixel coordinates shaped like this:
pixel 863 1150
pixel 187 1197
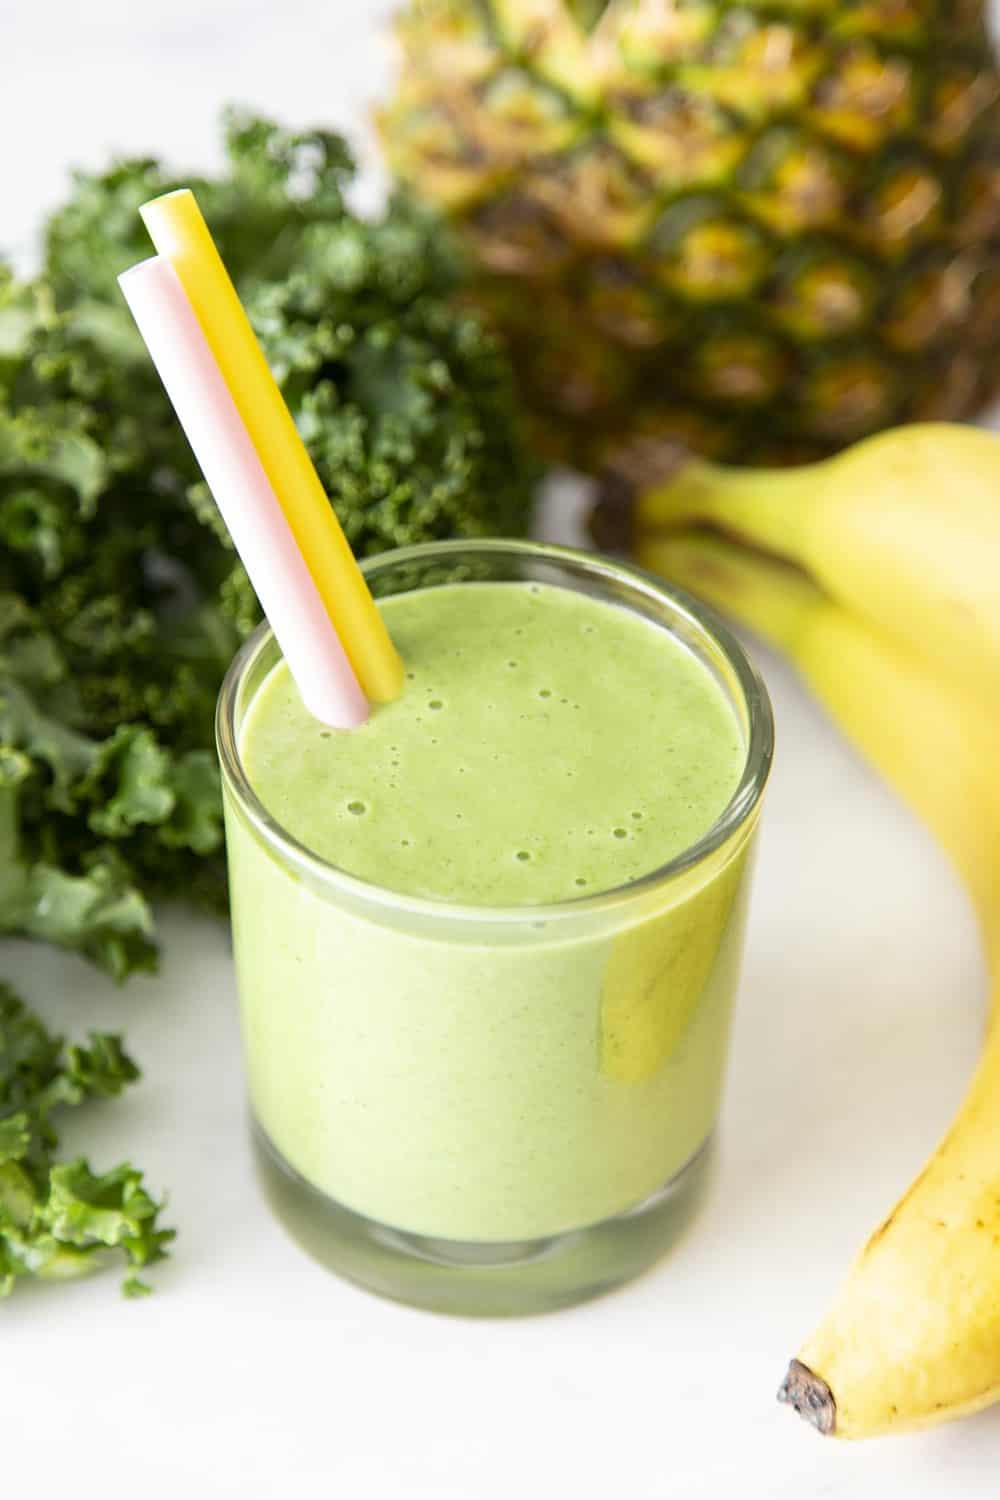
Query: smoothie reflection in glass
pixel 487 944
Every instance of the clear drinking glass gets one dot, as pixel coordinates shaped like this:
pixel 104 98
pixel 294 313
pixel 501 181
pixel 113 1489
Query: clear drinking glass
pixel 400 1133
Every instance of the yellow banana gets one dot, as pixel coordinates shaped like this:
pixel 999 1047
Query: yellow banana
pixel 903 528
pixel 914 1336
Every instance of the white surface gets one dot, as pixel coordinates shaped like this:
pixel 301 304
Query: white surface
pixel 253 1374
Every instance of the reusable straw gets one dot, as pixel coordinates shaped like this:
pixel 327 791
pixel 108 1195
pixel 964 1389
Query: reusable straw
pixel 181 236
pixel 234 474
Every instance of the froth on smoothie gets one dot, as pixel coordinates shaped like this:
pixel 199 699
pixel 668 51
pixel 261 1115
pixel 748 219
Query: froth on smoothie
pixel 548 746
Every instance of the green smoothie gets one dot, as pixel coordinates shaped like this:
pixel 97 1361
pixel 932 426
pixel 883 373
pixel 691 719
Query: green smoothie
pixel 496 1077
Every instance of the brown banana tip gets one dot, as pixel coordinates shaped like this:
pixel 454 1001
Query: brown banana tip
pixel 642 466
pixel 811 1397
pixel 611 520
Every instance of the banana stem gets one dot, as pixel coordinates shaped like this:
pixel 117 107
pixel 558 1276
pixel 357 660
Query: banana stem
pixel 767 508
pixel 936 747
pixel 769 597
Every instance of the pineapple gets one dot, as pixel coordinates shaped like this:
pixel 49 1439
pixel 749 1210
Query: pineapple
pixel 761 229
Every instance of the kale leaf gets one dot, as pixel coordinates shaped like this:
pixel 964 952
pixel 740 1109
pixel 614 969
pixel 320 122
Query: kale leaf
pixel 121 601
pixel 60 1219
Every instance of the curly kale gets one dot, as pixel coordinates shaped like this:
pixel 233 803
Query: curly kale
pixel 121 601
pixel 59 1219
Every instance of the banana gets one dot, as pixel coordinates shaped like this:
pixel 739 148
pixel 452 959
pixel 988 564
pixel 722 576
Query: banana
pixel 914 1336
pixel 903 529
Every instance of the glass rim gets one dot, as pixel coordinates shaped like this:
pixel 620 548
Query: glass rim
pixel 738 810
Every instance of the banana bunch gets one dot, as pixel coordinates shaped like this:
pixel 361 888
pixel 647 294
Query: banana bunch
pixel 878 574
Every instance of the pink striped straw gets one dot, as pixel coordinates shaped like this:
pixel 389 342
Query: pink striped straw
pixel 241 490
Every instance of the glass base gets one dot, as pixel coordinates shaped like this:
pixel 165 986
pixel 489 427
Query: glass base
pixel 480 1279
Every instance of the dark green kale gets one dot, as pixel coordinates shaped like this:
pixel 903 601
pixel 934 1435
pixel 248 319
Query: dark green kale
pixel 121 602
pixel 60 1219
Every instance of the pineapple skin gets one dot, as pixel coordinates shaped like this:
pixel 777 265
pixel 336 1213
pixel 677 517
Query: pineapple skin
pixel 760 230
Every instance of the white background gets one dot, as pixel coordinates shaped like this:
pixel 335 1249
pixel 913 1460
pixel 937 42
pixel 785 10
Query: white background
pixel 251 1373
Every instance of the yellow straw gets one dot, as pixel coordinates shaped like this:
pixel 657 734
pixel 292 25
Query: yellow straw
pixel 181 236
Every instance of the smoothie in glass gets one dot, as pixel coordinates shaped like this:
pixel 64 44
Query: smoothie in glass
pixel 487 944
